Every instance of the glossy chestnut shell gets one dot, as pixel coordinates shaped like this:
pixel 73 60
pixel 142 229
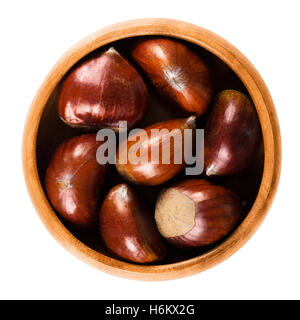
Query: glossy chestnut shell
pixel 128 229
pixel 102 91
pixel 146 172
pixel 232 134
pixel 74 180
pixel 178 73
pixel 195 213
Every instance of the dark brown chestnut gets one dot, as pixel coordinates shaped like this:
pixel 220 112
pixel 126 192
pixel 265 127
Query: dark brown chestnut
pixel 74 179
pixel 176 72
pixel 232 134
pixel 145 171
pixel 101 92
pixel 196 213
pixel 127 228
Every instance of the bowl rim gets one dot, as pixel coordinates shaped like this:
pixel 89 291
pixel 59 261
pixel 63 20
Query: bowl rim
pixel 270 131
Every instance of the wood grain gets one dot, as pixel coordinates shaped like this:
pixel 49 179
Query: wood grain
pixel 270 131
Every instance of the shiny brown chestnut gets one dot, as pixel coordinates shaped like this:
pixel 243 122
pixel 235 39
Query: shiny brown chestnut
pixel 232 134
pixel 143 170
pixel 127 228
pixel 101 92
pixel 196 213
pixel 74 179
pixel 176 72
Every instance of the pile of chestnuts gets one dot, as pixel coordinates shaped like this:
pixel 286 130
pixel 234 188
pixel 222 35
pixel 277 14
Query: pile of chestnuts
pixel 107 89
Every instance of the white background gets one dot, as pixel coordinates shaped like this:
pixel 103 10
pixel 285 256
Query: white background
pixel 34 34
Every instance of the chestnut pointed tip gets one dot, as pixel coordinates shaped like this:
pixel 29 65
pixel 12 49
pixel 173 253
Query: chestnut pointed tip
pixel 122 191
pixel 210 170
pixel 112 50
pixel 191 122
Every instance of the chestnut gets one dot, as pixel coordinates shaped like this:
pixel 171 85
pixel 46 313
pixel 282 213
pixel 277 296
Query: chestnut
pixel 231 135
pixel 142 169
pixel 74 180
pixel 127 228
pixel 101 92
pixel 196 213
pixel 178 74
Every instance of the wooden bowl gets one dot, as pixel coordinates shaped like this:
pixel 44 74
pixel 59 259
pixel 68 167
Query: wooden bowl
pixel 43 131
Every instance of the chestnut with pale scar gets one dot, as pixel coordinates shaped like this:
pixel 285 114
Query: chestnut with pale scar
pixel 196 213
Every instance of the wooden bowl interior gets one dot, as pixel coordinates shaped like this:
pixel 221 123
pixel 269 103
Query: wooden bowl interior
pixel 52 131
